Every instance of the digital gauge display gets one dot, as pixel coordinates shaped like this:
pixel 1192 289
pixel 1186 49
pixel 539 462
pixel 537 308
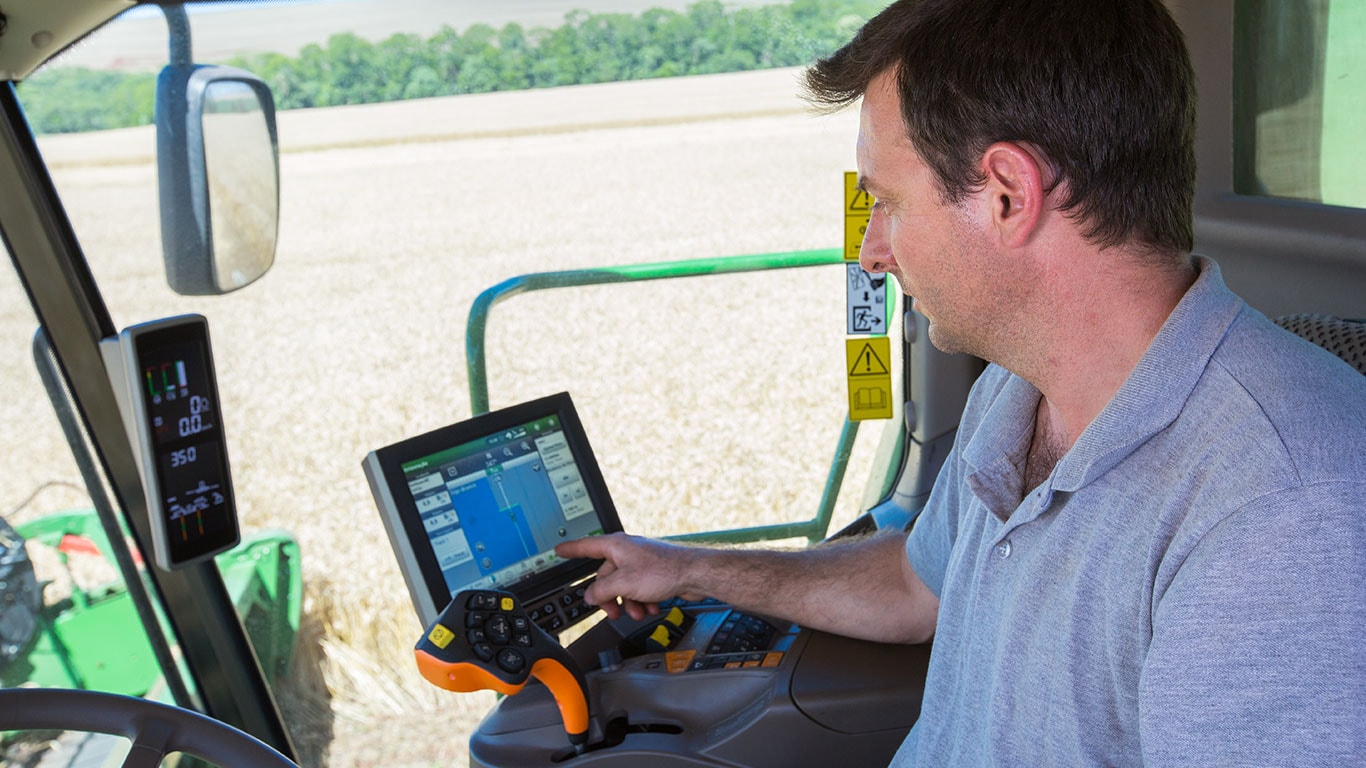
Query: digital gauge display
pixel 179 430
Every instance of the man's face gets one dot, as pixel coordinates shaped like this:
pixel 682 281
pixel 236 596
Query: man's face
pixel 942 255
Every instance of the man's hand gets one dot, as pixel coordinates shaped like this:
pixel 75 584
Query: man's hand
pixel 636 574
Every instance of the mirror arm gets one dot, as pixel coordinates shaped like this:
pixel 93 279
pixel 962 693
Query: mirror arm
pixel 178 23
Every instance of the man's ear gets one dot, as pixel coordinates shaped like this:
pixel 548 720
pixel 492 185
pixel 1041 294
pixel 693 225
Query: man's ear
pixel 1015 190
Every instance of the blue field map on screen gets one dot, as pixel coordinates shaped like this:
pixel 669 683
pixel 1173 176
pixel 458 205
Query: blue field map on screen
pixel 489 525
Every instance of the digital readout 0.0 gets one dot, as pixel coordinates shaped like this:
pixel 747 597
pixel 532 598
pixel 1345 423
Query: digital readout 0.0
pixel 176 389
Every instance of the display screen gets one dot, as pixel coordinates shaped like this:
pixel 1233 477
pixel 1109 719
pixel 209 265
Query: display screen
pixel 494 508
pixel 180 403
pixel 483 502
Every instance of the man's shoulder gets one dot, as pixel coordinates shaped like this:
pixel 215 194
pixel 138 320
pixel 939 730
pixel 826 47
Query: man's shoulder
pixel 1279 391
pixel 1291 377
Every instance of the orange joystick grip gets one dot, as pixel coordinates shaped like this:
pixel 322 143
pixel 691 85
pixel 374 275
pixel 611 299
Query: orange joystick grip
pixel 485 641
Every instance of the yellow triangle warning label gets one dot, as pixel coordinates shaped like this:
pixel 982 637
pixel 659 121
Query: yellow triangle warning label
pixel 867 363
pixel 870 381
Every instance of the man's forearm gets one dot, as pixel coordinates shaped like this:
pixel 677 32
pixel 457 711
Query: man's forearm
pixel 862 588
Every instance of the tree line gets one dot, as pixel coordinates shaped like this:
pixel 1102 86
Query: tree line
pixel 705 38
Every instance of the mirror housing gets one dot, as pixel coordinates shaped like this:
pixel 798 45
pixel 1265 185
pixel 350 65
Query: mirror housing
pixel 218 177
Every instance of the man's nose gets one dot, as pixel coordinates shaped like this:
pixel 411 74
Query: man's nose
pixel 875 254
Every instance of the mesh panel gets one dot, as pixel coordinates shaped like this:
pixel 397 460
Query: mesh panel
pixel 1344 338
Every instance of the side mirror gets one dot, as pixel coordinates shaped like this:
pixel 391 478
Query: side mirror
pixel 218 173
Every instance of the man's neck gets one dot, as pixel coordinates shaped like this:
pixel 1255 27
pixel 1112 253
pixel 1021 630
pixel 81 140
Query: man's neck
pixel 1046 449
pixel 1092 344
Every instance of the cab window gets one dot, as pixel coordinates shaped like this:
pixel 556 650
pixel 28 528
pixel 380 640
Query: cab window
pixel 1299 109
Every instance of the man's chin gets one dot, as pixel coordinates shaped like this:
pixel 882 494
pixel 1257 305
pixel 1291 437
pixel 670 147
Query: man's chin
pixel 944 340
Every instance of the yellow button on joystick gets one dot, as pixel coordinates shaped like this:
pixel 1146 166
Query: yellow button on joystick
pixel 660 639
pixel 440 636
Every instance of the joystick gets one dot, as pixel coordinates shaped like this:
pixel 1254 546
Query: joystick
pixel 484 640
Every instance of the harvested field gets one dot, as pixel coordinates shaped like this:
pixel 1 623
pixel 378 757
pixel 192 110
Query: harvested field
pixel 712 402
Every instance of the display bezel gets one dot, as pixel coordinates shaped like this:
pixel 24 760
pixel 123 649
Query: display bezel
pixel 404 523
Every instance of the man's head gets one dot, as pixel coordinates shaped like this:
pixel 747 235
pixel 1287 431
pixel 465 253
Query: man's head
pixel 1100 91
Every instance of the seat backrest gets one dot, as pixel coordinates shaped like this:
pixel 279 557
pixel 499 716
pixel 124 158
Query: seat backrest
pixel 1344 338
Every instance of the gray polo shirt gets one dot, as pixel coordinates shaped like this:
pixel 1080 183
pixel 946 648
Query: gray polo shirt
pixel 1188 588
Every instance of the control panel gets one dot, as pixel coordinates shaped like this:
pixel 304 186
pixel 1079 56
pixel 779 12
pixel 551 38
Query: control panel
pixel 474 511
pixel 484 640
pixel 562 608
pixel 707 635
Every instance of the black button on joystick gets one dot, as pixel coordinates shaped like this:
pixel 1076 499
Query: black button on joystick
pixel 496 629
pixel 511 661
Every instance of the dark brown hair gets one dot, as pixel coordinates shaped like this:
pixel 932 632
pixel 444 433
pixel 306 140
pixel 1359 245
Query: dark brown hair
pixel 1102 88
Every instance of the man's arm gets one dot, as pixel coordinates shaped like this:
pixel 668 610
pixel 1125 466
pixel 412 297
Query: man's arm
pixel 862 588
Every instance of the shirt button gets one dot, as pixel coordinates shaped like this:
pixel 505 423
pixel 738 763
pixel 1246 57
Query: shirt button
pixel 1003 549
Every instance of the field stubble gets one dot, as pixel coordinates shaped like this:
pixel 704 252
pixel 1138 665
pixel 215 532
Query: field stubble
pixel 356 339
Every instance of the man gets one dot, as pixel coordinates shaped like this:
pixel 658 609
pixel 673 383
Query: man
pixel 1148 546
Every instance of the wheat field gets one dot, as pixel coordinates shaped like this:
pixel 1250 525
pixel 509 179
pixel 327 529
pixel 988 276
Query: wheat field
pixel 711 402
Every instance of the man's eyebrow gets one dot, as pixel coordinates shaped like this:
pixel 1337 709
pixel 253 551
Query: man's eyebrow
pixel 863 184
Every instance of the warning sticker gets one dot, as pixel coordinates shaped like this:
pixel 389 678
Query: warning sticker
pixel 858 208
pixel 870 377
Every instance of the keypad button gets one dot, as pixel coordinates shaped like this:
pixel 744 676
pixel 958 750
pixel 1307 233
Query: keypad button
pixel 482 601
pixel 511 660
pixel 497 630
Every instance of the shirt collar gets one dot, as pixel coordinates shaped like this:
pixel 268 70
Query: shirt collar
pixel 1156 391
pixel 996 453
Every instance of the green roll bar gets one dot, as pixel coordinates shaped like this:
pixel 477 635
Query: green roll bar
pixel 814 529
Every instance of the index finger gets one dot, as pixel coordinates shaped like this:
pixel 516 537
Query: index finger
pixel 591 547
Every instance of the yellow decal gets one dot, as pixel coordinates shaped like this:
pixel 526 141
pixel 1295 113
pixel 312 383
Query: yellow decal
pixel 870 378
pixel 858 207
pixel 440 636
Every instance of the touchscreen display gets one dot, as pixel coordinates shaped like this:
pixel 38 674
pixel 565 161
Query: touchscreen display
pixel 482 503
pixel 494 508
